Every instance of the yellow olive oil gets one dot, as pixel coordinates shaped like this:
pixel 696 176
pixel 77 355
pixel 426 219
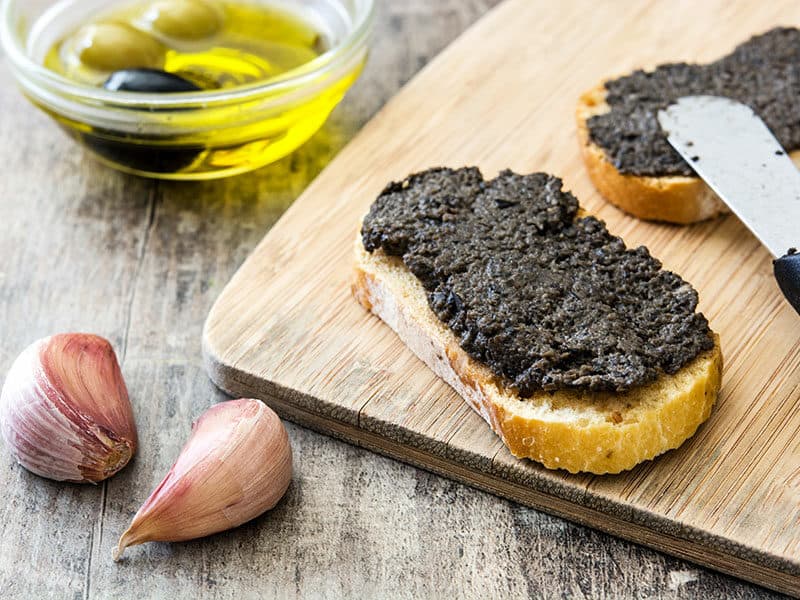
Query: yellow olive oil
pixel 217 46
pixel 245 43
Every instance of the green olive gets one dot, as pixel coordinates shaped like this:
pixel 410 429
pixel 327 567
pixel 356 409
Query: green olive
pixel 184 19
pixel 115 46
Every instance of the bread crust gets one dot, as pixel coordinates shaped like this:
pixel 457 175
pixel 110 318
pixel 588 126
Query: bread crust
pixel 575 431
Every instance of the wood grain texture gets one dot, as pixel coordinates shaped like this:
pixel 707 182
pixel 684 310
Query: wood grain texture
pixel 287 330
pixel 85 248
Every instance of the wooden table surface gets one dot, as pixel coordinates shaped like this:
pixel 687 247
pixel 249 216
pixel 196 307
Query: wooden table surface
pixel 140 262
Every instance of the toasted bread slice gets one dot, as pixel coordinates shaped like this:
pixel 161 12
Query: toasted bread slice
pixel 572 430
pixel 672 198
pixel 675 199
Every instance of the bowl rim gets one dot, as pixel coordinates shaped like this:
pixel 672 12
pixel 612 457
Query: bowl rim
pixel 27 68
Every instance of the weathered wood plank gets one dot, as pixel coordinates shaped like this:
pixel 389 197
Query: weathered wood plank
pixel 85 248
pixel 56 220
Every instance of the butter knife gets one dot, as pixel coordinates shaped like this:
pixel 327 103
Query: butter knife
pixel 736 154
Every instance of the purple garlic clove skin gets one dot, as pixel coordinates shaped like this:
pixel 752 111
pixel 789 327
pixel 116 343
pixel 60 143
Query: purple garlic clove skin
pixel 236 465
pixel 65 412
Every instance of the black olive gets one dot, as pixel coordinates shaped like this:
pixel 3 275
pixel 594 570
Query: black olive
pixel 141 155
pixel 137 153
pixel 148 80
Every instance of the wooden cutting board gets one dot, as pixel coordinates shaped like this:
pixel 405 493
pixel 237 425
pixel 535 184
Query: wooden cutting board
pixel 287 330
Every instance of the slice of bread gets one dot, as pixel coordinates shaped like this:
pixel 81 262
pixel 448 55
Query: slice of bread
pixel 572 430
pixel 672 198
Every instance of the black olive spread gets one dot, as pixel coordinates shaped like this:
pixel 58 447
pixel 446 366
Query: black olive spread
pixel 763 73
pixel 547 300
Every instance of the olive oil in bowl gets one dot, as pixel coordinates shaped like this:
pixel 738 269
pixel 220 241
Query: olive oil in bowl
pixel 194 89
pixel 216 45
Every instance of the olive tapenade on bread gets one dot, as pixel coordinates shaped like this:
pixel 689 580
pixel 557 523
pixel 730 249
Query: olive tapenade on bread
pixel 627 154
pixel 580 353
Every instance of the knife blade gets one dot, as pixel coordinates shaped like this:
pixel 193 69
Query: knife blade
pixel 732 149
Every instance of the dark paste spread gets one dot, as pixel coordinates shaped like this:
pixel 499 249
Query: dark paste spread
pixel 546 300
pixel 763 73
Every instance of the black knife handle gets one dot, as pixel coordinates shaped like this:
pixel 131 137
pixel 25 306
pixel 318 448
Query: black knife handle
pixel 787 273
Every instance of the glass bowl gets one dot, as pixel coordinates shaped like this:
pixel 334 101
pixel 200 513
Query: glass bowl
pixel 188 135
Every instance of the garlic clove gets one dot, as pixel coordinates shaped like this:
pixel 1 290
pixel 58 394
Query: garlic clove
pixel 65 412
pixel 236 465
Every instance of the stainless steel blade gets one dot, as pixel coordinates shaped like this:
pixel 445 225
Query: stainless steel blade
pixel 732 149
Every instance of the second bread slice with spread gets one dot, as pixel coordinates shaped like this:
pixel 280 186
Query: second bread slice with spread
pixel 581 354
pixel 628 156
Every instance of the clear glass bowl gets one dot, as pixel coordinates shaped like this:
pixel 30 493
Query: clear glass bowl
pixel 189 135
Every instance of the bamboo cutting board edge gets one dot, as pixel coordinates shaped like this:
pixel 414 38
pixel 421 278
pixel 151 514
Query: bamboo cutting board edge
pixel 730 497
pixel 549 495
